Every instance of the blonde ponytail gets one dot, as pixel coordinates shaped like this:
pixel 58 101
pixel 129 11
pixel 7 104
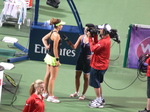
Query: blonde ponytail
pixel 35 85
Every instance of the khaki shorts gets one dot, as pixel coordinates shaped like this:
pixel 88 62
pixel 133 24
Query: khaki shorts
pixel 50 60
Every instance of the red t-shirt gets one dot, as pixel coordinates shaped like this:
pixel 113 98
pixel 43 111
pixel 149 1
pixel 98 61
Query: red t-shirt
pixel 101 52
pixel 148 67
pixel 34 104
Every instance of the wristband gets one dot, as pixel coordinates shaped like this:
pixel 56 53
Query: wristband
pixel 57 59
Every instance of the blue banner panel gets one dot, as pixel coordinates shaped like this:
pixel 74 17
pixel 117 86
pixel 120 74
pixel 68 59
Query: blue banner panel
pixel 67 54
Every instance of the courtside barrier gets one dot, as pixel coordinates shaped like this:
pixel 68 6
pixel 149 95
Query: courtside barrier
pixel 16 59
pixel 22 48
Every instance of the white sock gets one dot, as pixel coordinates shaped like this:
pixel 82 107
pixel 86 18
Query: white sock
pixel 99 99
pixel 102 97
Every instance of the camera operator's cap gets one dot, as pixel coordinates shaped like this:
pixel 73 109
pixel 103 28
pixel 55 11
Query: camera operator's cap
pixel 89 25
pixel 61 23
pixel 106 26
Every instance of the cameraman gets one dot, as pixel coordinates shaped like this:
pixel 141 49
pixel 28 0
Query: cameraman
pixel 147 109
pixel 99 61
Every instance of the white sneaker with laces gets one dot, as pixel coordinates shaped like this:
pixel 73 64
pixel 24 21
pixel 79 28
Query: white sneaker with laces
pixel 95 104
pixel 52 99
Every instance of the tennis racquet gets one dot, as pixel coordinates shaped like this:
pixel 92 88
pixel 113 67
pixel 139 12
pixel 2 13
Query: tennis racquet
pixel 10 80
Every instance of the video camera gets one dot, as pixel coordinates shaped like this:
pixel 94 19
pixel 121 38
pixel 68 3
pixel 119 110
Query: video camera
pixel 114 35
pixel 93 31
pixel 142 66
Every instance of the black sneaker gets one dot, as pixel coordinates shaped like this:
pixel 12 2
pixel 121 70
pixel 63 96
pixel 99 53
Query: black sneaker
pixel 144 110
pixel 53 3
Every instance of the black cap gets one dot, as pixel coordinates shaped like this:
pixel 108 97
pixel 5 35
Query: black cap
pixel 90 25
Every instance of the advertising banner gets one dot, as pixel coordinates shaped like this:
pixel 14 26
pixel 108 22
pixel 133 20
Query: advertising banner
pixel 37 50
pixel 139 44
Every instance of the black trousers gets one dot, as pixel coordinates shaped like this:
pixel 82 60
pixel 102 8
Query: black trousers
pixel 148 87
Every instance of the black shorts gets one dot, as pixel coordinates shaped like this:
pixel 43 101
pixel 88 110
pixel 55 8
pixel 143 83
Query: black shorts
pixel 96 77
pixel 83 65
pixel 148 87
